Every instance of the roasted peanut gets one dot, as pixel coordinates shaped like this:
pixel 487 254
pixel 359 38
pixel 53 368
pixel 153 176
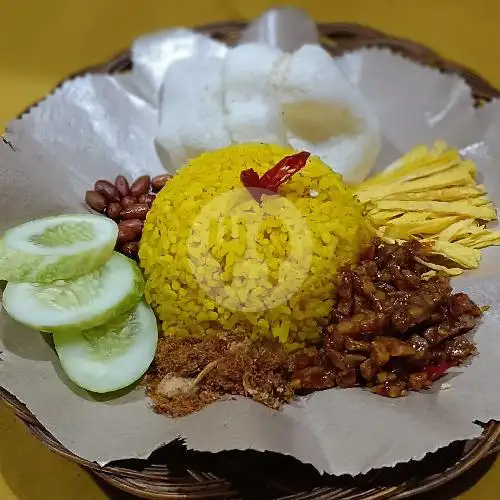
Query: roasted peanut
pixel 313 377
pixel 337 359
pixel 396 347
pixel 122 186
pixel 159 181
pixel 128 201
pixel 357 345
pixel 354 360
pixel 379 355
pixel 395 389
pixel 147 198
pixel 96 201
pixel 113 210
pixel 140 186
pixel 304 358
pixel 135 225
pixel 130 249
pixel 125 234
pixel 368 369
pixel 107 189
pixel 137 211
pixel 334 339
pixel 387 377
pixel 419 381
pixel 346 378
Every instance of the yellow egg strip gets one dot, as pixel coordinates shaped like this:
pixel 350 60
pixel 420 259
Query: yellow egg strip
pixel 380 217
pixel 440 207
pixel 459 176
pixel 446 194
pixel 482 239
pixel 431 194
pixel 451 271
pixel 451 231
pixel 416 167
pixel 465 256
pixel 429 227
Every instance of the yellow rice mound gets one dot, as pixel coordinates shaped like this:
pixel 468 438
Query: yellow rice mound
pixel 215 258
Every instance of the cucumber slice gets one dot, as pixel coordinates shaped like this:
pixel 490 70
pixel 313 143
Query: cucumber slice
pixel 56 248
pixel 85 302
pixel 112 356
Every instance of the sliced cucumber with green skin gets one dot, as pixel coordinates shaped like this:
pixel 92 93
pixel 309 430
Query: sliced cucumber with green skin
pixel 112 356
pixel 56 248
pixel 83 303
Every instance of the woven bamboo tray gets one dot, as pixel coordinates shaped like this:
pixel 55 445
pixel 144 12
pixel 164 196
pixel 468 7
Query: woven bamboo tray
pixel 174 473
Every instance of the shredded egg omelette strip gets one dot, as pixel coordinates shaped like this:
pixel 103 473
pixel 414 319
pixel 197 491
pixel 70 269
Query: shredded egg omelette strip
pixel 431 194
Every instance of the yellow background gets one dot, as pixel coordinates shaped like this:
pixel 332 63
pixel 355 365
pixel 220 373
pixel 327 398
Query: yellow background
pixel 43 41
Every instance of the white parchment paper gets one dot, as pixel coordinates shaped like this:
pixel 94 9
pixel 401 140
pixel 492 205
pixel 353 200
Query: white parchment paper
pixel 98 126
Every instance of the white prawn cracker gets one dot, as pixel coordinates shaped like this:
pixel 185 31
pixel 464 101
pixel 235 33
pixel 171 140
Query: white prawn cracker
pixel 325 115
pixel 253 112
pixel 191 111
pixel 260 94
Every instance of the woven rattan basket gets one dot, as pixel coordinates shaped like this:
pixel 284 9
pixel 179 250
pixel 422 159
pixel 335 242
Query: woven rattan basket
pixel 175 473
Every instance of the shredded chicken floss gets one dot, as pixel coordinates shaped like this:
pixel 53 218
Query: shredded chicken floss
pixel 392 328
pixel 189 373
pixel 214 258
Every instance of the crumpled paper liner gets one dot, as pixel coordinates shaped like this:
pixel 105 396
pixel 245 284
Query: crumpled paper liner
pixel 99 126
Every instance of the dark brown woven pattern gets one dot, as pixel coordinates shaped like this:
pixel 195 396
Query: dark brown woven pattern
pixel 175 473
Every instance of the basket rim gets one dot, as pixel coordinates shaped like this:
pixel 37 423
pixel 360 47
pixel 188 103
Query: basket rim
pixel 337 38
pixel 478 449
pixel 330 34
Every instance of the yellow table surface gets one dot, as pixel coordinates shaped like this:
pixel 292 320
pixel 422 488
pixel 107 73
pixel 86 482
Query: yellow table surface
pixel 43 41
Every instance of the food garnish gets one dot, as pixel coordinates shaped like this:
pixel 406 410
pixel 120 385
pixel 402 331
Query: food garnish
pixel 392 329
pixel 105 338
pixel 275 176
pixel 431 195
pixel 259 94
pixel 327 115
pixel 189 373
pixel 56 248
pixel 79 304
pixel 111 356
pixel 128 205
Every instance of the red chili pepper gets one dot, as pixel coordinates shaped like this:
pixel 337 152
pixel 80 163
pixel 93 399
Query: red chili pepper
pixel 250 178
pixel 437 371
pixel 283 170
pixel 275 176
